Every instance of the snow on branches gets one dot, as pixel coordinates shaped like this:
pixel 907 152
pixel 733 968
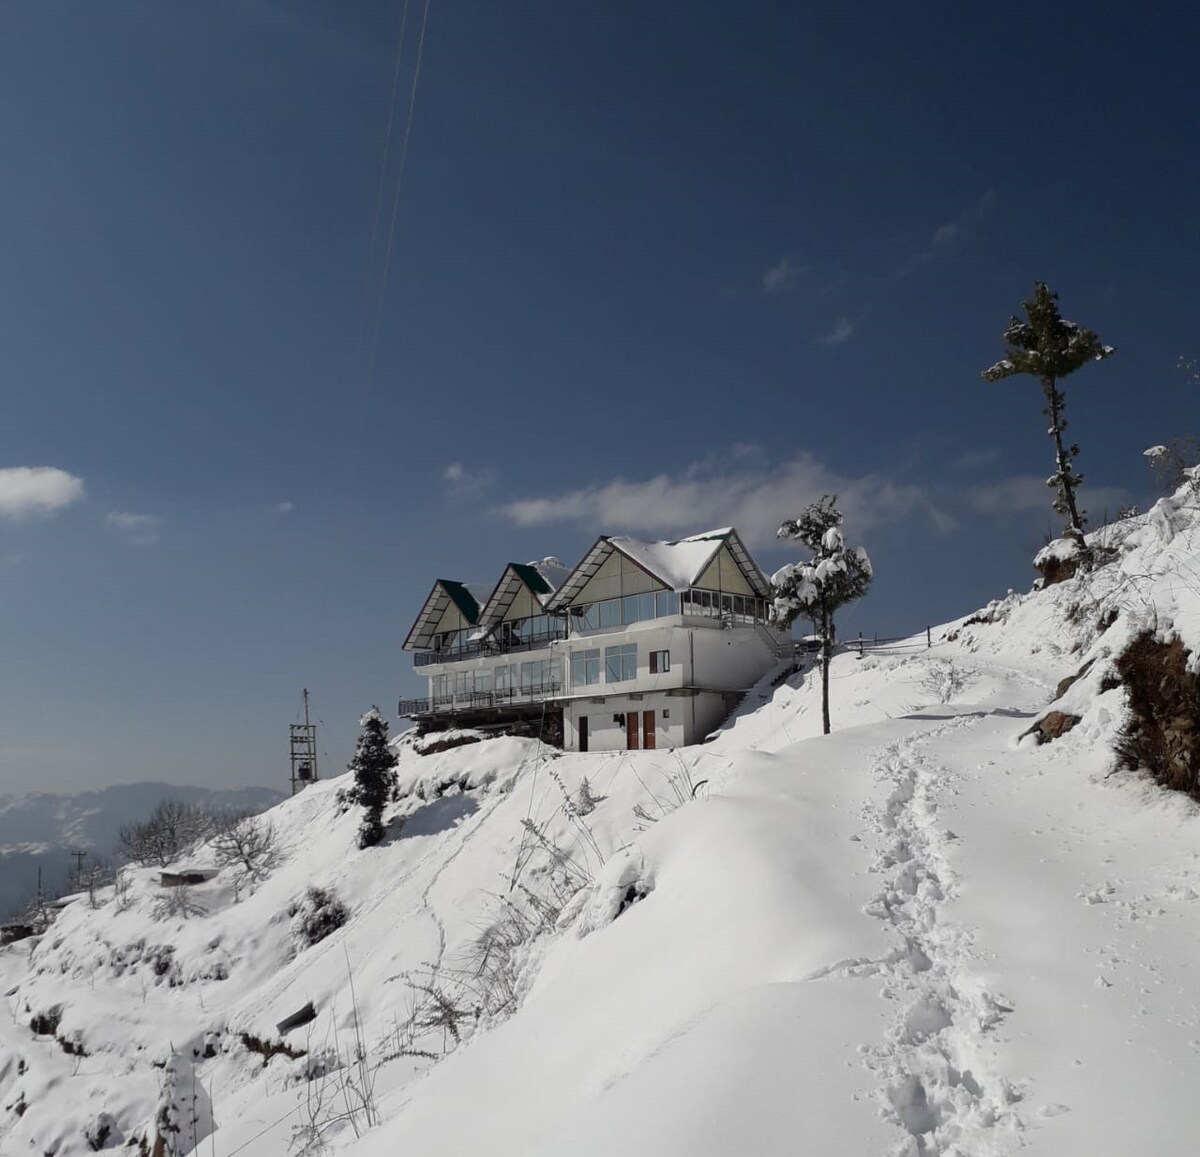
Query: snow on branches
pixel 815 589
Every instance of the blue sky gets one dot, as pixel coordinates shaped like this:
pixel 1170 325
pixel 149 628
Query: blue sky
pixel 655 268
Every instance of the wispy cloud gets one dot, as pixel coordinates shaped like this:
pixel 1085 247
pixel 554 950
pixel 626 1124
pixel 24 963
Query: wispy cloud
pixel 780 277
pixel 462 481
pixel 284 507
pixel 976 459
pixel 140 529
pixel 1025 493
pixel 842 331
pixel 945 237
pixel 945 234
pixel 743 491
pixel 36 491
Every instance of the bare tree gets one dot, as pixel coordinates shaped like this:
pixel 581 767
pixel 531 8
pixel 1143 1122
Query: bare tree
pixel 247 843
pixel 172 827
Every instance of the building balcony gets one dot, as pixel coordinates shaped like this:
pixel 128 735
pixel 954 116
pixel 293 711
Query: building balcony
pixel 486 648
pixel 479 700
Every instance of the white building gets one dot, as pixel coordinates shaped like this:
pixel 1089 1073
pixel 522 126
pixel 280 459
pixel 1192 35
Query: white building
pixel 641 644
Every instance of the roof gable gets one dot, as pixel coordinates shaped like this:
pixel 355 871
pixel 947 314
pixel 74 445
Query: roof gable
pixel 678 564
pixel 445 593
pixel 539 578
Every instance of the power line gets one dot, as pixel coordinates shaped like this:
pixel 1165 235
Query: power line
pixel 387 251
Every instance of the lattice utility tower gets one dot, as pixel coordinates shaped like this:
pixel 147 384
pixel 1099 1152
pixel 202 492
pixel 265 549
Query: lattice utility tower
pixel 302 739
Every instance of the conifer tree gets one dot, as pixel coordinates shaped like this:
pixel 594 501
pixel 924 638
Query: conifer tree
pixel 816 589
pixel 374 768
pixel 1048 347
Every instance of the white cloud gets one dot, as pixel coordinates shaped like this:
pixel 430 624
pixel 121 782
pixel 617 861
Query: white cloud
pixel 141 529
pixel 36 491
pixel 284 507
pixel 780 277
pixel 842 330
pixel 743 491
pixel 461 481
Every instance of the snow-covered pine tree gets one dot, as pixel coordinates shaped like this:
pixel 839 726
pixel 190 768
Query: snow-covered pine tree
pixel 374 768
pixel 1048 347
pixel 816 589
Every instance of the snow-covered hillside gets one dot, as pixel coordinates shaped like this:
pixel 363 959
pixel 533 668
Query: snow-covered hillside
pixel 923 934
pixel 41 829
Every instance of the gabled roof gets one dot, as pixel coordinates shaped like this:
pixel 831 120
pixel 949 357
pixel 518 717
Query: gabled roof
pixel 678 564
pixel 465 596
pixel 540 578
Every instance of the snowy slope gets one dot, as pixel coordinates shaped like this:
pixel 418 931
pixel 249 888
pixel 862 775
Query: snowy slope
pixel 41 829
pixel 922 934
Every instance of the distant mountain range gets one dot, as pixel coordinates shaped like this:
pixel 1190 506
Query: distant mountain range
pixel 41 830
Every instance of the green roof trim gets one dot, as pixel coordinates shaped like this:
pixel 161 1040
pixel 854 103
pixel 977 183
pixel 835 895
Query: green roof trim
pixel 462 598
pixel 531 577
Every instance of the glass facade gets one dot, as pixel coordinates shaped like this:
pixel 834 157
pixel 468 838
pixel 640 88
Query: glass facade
pixel 507 681
pixel 660 604
pixel 714 604
pixel 622 612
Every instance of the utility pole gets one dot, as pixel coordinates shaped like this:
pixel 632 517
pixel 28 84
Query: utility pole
pixel 302 743
pixel 79 858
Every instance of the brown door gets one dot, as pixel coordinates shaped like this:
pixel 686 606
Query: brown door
pixel 631 730
pixel 583 733
pixel 647 729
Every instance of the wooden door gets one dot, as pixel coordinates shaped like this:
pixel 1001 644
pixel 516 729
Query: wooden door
pixel 583 733
pixel 631 730
pixel 647 729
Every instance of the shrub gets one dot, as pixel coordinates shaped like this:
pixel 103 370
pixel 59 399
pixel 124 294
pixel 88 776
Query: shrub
pixel 1162 734
pixel 319 914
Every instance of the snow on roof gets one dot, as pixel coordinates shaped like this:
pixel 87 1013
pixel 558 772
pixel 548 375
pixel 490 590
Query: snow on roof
pixel 552 571
pixel 679 563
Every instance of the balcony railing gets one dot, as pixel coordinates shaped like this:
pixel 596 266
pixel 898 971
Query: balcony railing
pixel 489 646
pixel 476 700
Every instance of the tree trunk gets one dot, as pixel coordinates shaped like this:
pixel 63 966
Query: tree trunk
pixel 826 632
pixel 1075 530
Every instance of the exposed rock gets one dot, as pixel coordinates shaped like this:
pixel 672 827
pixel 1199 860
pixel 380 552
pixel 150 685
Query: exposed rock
pixel 1052 726
pixel 1064 684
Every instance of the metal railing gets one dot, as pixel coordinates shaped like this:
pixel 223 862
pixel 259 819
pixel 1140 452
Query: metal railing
pixel 489 646
pixel 475 700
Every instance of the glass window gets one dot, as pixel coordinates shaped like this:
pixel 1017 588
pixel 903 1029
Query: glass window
pixel 646 606
pixel 610 613
pixel 585 667
pixel 483 682
pixel 629 609
pixel 620 663
pixel 660 661
pixel 667 603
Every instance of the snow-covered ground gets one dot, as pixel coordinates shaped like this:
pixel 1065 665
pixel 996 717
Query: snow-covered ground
pixel 919 935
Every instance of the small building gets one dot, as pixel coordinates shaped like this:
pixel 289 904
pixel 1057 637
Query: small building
pixel 640 645
pixel 186 877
